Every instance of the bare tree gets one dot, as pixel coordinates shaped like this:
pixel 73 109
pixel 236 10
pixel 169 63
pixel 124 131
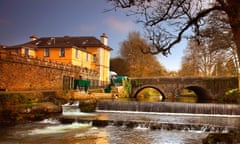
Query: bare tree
pixel 212 53
pixel 190 60
pixel 201 60
pixel 168 21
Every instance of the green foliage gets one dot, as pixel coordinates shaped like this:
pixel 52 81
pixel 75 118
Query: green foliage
pixel 127 88
pixel 148 92
pixel 12 99
pixel 232 92
pixel 231 96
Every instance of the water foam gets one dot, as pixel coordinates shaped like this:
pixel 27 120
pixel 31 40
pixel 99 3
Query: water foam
pixel 59 128
pixel 50 121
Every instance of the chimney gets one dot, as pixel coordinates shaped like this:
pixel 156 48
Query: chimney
pixel 33 38
pixel 104 39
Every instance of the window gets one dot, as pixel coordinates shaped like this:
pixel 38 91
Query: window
pixel 26 52
pixel 62 52
pixel 46 52
pixel 94 58
pixel 87 57
pixel 76 54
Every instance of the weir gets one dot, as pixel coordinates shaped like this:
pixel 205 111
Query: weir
pixel 170 107
pixel 72 109
pixel 149 116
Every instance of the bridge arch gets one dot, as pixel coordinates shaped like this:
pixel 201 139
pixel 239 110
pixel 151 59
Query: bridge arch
pixel 139 89
pixel 206 88
pixel 201 93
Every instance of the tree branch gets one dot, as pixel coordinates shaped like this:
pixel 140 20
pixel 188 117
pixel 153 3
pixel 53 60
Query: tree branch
pixel 166 50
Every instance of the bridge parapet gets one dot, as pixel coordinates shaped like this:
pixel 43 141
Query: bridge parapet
pixel 170 87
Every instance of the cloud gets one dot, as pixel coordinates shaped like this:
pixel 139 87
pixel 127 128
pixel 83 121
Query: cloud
pixel 119 25
pixel 87 28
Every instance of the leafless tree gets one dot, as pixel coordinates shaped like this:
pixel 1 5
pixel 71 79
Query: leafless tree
pixel 166 22
pixel 212 52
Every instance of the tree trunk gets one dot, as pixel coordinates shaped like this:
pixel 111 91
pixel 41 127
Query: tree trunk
pixel 236 33
pixel 233 11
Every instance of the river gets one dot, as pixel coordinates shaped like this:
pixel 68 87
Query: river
pixel 172 129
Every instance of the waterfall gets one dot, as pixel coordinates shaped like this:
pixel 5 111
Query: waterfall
pixel 72 109
pixel 170 107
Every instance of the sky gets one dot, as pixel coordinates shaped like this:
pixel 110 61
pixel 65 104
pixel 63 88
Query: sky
pixel 19 19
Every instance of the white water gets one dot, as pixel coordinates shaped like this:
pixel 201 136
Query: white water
pixel 204 109
pixel 171 114
pixel 58 128
pixel 72 109
pixel 50 131
pixel 50 121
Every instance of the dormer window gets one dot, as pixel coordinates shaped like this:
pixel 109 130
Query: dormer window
pixel 62 52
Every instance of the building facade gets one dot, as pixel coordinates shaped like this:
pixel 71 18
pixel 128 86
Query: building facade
pixel 87 52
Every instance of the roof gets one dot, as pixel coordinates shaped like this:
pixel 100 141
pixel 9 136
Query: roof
pixel 66 41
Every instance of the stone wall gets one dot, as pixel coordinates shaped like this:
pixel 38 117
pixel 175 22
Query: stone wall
pixel 206 88
pixel 18 73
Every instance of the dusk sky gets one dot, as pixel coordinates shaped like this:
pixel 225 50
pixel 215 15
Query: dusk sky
pixel 19 19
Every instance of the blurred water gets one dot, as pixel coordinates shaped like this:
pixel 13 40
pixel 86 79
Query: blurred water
pixel 51 131
pixel 80 133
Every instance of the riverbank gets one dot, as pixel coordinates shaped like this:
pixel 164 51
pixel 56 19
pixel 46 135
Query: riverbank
pixel 23 106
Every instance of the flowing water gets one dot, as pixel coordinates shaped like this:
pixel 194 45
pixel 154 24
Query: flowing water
pixel 109 126
pixel 53 132
pixel 171 107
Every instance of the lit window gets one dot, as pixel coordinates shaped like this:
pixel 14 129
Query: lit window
pixel 62 52
pixel 46 52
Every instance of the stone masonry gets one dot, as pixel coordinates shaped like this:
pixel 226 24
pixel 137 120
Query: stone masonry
pixel 170 87
pixel 18 73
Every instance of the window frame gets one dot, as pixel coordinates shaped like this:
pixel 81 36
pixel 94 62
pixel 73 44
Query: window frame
pixel 87 57
pixel 46 52
pixel 94 58
pixel 76 53
pixel 26 52
pixel 62 52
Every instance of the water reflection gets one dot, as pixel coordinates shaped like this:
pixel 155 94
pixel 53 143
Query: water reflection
pixel 93 135
pixel 153 95
pixel 186 99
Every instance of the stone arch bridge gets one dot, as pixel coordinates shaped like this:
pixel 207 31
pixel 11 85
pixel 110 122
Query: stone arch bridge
pixel 205 88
